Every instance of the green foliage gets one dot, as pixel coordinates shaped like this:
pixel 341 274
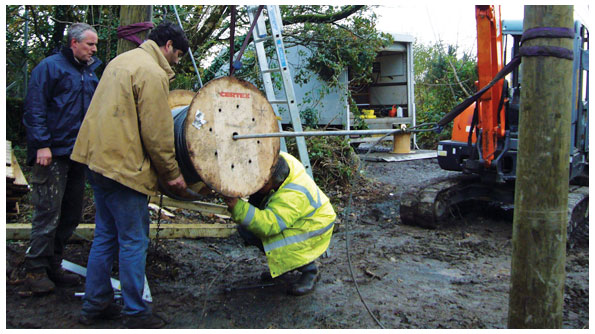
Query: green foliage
pixel 15 130
pixel 437 89
pixel 309 116
pixel 185 81
pixel 46 28
pixel 337 49
pixel 338 37
pixel 334 162
pixel 358 123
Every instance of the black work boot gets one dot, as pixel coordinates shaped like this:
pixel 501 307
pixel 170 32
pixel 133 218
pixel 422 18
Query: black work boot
pixel 266 277
pixel 111 312
pixel 38 282
pixel 306 283
pixel 144 321
pixel 60 277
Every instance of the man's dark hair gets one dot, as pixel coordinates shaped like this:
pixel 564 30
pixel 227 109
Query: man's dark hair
pixel 166 31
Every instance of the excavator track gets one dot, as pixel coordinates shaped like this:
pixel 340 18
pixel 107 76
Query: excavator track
pixel 431 206
pixel 578 216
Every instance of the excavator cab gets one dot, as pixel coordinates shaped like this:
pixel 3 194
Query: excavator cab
pixel 469 150
pixel 579 140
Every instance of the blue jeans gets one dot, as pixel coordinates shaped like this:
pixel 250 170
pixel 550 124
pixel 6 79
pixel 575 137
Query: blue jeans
pixel 121 225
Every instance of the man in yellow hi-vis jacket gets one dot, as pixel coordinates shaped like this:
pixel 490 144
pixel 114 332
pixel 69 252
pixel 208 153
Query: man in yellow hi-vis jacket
pixel 290 219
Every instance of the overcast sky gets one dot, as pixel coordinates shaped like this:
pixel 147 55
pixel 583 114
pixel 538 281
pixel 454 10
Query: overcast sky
pixel 453 24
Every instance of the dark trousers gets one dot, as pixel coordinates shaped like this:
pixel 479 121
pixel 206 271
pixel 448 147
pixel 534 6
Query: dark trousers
pixel 249 238
pixel 57 199
pixel 252 240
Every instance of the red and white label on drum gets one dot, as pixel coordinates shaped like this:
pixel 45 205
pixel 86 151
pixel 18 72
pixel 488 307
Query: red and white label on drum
pixel 233 94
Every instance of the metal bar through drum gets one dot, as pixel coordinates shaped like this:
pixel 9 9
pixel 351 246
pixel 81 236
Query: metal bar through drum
pixel 319 133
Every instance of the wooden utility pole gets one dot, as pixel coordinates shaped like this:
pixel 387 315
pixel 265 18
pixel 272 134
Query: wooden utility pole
pixel 130 15
pixel 541 195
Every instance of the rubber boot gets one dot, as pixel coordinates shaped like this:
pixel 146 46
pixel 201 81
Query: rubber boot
pixel 266 276
pixel 38 282
pixel 306 283
pixel 60 277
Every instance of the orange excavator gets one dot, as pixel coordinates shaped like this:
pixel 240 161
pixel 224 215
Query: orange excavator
pixel 485 130
pixel 491 118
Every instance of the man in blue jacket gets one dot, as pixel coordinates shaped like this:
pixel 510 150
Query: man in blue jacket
pixel 59 92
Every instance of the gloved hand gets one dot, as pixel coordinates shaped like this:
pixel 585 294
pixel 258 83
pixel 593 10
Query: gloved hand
pixel 230 201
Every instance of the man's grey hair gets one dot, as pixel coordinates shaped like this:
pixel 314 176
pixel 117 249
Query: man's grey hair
pixel 77 31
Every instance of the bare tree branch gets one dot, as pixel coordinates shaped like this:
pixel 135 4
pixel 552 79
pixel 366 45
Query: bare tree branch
pixel 454 71
pixel 316 18
pixel 211 24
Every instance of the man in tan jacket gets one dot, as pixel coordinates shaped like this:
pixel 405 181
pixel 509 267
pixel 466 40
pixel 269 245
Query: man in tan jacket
pixel 127 141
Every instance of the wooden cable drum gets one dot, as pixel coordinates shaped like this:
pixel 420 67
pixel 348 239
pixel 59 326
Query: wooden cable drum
pixel 179 98
pixel 222 108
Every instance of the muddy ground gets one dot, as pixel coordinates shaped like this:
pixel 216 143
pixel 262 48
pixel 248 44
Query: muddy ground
pixel 454 277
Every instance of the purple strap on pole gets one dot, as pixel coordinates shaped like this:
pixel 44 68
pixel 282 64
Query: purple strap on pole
pixel 546 51
pixel 547 32
pixel 129 32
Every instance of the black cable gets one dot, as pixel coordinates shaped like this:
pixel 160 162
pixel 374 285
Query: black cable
pixel 347 247
pixel 348 210
pixel 184 162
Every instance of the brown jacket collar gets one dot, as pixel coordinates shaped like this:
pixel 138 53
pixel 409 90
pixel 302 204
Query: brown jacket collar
pixel 153 49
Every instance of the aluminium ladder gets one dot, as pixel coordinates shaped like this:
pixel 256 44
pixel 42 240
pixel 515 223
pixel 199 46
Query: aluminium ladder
pixel 259 35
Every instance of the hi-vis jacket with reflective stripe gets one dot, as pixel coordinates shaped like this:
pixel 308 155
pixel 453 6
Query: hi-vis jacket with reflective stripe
pixel 296 222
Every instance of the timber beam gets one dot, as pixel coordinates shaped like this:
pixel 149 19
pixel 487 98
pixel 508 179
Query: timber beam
pixel 203 207
pixel 168 231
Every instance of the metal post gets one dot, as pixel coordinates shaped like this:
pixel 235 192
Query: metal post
pixel 189 49
pixel 320 133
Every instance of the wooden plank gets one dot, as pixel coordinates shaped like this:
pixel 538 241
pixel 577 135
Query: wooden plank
pixel 369 139
pixel 9 174
pixel 169 231
pixel 8 153
pixel 396 157
pixel 225 106
pixel 19 177
pixel 193 231
pixel 203 207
